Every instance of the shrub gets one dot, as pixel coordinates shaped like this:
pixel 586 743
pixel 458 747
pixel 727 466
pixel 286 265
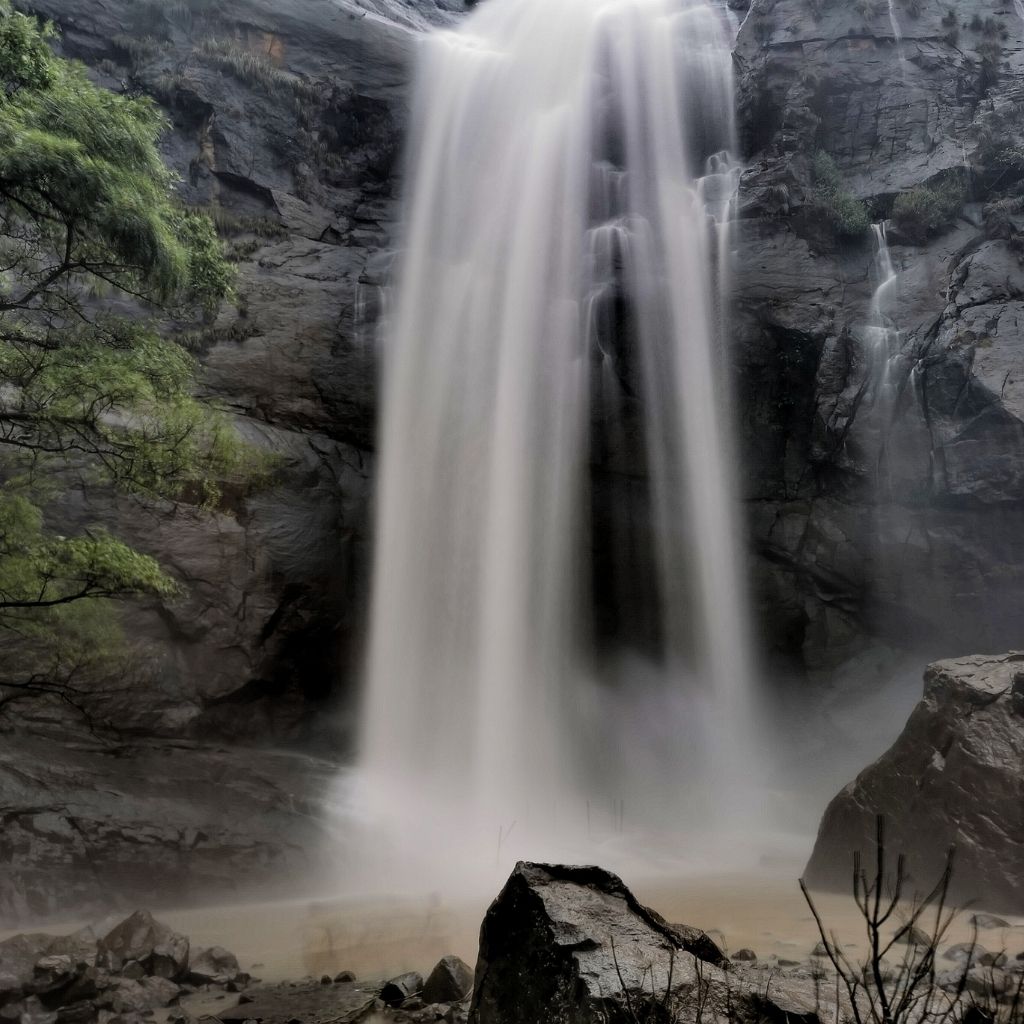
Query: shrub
pixel 845 214
pixel 927 210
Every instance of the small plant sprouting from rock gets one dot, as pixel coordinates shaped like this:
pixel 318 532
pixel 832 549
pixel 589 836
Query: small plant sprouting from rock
pixel 845 214
pixel 925 211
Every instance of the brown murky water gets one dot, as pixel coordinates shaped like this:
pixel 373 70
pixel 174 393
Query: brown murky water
pixel 380 937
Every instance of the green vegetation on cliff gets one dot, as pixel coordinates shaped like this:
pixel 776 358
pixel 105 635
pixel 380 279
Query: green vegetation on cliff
pixel 97 260
pixel 846 215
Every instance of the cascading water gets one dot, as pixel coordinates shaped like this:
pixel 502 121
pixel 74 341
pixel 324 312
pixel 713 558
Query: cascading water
pixel 565 253
pixel 882 332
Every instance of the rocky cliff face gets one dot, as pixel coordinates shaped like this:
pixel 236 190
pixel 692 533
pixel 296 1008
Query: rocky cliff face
pixel 879 509
pixel 287 123
pixel 884 488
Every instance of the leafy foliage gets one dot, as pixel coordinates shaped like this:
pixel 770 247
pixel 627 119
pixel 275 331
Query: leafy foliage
pixel 97 257
pixel 928 209
pixel 846 215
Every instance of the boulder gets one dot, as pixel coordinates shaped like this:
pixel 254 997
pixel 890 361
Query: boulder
pixel 53 972
pixel 213 964
pixel 398 989
pixel 449 982
pixel 987 922
pixel 157 947
pixel 128 996
pixel 954 778
pixel 572 945
pixel 80 946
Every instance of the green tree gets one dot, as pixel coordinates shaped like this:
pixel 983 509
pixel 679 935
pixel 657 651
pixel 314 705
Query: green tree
pixel 97 260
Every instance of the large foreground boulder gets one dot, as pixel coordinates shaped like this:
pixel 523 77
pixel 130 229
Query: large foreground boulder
pixel 955 777
pixel 572 945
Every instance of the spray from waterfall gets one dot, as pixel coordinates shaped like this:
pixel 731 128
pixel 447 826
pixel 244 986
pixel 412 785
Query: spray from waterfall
pixel 546 670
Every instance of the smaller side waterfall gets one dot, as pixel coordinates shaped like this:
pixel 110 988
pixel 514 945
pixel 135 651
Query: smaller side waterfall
pixel 897 32
pixel 882 330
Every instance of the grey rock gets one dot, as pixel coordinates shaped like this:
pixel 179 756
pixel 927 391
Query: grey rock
pixel 955 776
pixel 53 972
pixel 212 964
pixel 400 988
pixel 987 922
pixel 450 981
pixel 344 977
pixel 915 936
pixel 744 955
pixel 158 948
pixel 128 996
pixel 80 946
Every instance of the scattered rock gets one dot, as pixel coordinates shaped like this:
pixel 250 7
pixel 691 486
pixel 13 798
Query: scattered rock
pixel 309 1002
pixel 963 952
pixel 133 970
pixel 80 946
pixel 344 977
pixel 449 982
pixel 398 989
pixel 988 921
pixel 129 996
pixel 52 973
pixel 819 950
pixel 992 959
pixel 914 936
pixel 18 958
pixel 745 955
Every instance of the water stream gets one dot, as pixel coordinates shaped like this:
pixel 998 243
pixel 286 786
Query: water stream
pixel 559 304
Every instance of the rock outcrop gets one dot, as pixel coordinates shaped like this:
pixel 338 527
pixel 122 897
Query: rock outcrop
pixel 955 777
pixel 87 828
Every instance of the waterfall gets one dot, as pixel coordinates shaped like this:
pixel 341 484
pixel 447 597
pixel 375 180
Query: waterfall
pixel 565 257
pixel 885 336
